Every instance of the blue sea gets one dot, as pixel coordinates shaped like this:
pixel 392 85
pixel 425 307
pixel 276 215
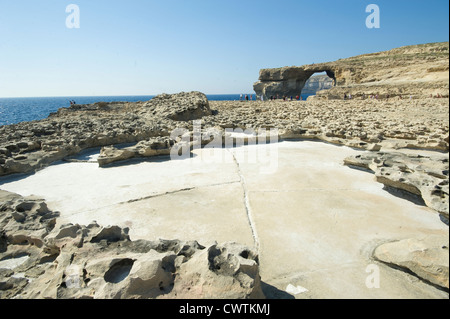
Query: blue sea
pixel 16 110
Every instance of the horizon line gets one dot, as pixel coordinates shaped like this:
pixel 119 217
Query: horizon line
pixel 124 95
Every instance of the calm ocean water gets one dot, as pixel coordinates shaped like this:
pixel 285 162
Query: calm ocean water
pixel 16 110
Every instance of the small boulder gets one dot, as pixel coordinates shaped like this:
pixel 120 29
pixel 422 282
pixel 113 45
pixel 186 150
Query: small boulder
pixel 427 257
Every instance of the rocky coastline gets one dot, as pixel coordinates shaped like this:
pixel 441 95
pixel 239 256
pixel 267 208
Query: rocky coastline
pixel 385 129
pixel 416 71
pixel 374 126
pixel 102 262
pixel 404 136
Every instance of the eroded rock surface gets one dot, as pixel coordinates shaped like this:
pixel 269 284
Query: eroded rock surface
pixel 418 71
pixel 73 261
pixel 179 107
pixel 153 147
pixel 394 123
pixel 426 257
pixel 38 261
pixel 30 146
pixel 425 176
pixel 147 127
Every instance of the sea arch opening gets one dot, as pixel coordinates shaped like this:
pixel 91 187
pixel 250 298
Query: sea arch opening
pixel 318 81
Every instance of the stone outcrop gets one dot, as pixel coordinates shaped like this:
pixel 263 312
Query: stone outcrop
pixel 427 257
pixel 424 176
pixel 146 127
pixel 418 71
pixel 30 146
pixel 394 123
pixel 156 146
pixel 288 81
pixel 228 271
pixel 38 260
pixel 179 107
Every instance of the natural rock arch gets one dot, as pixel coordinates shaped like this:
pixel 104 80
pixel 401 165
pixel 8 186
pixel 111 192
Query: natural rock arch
pixel 289 81
pixel 366 75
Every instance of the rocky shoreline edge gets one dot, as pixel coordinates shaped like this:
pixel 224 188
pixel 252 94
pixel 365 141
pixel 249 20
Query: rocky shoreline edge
pixel 383 128
pixel 103 263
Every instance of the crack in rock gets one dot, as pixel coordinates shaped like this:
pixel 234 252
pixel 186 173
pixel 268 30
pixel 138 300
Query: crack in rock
pixel 246 200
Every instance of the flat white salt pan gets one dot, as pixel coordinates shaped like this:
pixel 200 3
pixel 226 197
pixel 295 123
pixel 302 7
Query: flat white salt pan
pixel 74 188
pixel 312 217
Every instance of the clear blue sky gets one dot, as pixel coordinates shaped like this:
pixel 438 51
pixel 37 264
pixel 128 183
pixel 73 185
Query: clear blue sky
pixel 145 47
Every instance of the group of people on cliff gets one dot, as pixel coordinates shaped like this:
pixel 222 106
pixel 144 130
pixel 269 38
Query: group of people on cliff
pixel 246 97
pixel 286 98
pixel 272 98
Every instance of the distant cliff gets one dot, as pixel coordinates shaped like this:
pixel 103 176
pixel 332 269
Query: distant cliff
pixel 417 70
pixel 317 83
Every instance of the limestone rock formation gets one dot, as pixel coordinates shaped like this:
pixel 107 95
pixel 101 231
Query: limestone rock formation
pixel 287 81
pixel 39 261
pixel 427 257
pixel 30 146
pixel 424 176
pixel 154 147
pixel 233 268
pixel 179 107
pixel 369 125
pixel 418 71
pixel 24 220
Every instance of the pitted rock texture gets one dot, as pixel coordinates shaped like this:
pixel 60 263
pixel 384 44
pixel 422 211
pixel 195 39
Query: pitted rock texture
pixel 424 176
pixel 426 257
pixel 179 107
pixel 39 261
pixel 30 146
